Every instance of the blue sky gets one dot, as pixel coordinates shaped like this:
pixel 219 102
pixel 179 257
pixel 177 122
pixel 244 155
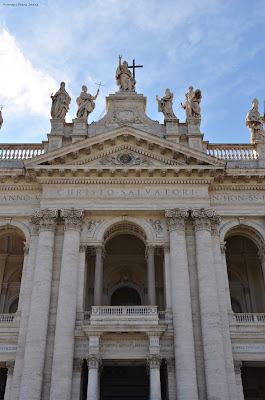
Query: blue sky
pixel 217 46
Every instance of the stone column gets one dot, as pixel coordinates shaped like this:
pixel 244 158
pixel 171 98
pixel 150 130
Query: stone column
pixel 215 371
pixel 81 279
pixel 221 276
pixel 171 378
pixel 225 275
pixel 151 285
pixel 154 362
pixel 34 356
pixel 76 382
pixel 93 383
pixel 63 354
pixel 238 366
pixel 181 307
pixel 167 277
pixel 261 254
pixel 10 371
pixel 23 277
pixel 21 343
pixel 98 283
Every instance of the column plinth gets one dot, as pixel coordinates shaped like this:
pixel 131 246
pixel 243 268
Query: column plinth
pixel 181 307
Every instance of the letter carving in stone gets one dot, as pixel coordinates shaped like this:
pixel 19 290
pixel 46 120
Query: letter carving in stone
pixel 176 218
pixel 72 219
pixel 47 219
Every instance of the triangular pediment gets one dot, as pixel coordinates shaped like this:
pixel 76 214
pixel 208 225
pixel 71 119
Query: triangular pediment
pixel 127 147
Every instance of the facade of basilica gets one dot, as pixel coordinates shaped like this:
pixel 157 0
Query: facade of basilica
pixel 132 256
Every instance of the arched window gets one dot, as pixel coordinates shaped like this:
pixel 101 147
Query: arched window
pixel 125 296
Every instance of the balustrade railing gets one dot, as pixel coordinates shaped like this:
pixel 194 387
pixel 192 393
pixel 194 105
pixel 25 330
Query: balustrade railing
pixel 12 151
pixel 124 310
pixel 249 318
pixel 4 318
pixel 232 151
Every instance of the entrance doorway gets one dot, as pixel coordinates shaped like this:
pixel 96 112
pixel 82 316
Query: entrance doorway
pixel 3 375
pixel 124 383
pixel 253 383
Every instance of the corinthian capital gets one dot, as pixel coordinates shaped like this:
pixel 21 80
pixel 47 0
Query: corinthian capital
pixel 205 219
pixel 44 220
pixel 154 361
pixel 94 362
pixel 72 219
pixel 176 218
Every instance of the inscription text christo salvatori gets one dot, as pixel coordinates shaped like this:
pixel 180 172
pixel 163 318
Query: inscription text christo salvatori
pixel 134 192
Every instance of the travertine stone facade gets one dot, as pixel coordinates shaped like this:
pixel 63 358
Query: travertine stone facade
pixel 132 247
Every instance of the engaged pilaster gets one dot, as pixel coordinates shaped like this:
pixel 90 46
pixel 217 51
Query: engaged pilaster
pixel 66 311
pixel 171 377
pixel 181 306
pixel 32 374
pixel 98 283
pixel 215 370
pixel 151 287
pixel 238 373
pixel 76 382
pixel 94 364
pixel 167 277
pixel 154 362
pixel 10 371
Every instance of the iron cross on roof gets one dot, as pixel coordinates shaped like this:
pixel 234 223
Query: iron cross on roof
pixel 133 67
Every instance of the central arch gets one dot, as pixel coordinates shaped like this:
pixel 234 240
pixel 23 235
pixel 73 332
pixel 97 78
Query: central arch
pixel 125 296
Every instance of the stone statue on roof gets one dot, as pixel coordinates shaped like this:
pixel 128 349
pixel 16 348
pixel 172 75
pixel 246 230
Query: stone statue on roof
pixel 85 103
pixel 165 105
pixel 60 103
pixel 254 121
pixel 192 103
pixel 124 78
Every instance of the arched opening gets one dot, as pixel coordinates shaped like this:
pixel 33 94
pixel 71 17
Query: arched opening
pixel 11 265
pixel 125 296
pixel 125 265
pixel 245 275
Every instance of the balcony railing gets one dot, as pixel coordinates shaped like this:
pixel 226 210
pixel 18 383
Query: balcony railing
pixel 12 151
pixel 232 151
pixel 250 318
pixel 5 318
pixel 124 310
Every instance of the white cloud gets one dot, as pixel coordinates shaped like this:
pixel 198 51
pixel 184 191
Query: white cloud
pixel 23 88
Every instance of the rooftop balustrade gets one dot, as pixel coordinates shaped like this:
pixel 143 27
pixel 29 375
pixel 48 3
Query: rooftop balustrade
pixel 13 151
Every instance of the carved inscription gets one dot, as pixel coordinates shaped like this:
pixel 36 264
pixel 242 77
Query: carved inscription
pixel 19 198
pixel 223 198
pixel 135 192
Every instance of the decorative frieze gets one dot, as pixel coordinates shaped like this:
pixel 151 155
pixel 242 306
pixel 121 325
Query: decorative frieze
pixel 72 219
pixel 176 218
